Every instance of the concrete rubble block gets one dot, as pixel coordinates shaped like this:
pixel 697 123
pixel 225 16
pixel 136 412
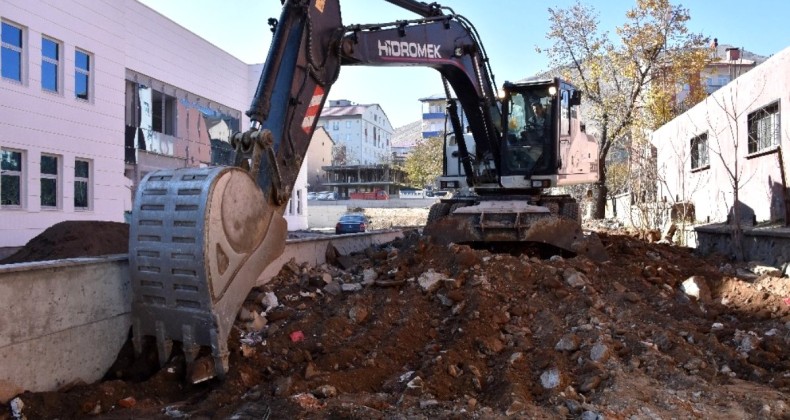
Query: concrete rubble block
pixel 574 278
pixel 258 322
pixel 350 287
pixel 269 301
pixel 550 378
pixel 325 391
pixel 764 270
pixel 599 353
pixel 696 287
pixel 333 288
pixel 568 342
pixel 369 275
pixel 430 281
pixel 358 314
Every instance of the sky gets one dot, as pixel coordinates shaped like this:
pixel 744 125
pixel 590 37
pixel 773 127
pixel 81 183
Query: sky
pixel 510 31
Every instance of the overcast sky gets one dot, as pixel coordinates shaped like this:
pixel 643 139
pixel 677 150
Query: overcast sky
pixel 509 29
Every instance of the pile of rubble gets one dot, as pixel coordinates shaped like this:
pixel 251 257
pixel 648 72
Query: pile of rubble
pixel 418 330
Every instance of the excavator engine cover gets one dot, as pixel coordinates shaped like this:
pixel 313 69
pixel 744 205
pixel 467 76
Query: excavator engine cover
pixel 199 238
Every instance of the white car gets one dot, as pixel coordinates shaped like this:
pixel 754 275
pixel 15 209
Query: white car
pixel 312 196
pixel 327 195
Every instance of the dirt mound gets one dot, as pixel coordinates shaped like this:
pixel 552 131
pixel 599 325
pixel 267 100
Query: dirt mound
pixel 417 330
pixel 74 239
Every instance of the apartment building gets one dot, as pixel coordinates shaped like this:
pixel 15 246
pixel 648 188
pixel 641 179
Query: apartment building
pixel 97 93
pixel 363 131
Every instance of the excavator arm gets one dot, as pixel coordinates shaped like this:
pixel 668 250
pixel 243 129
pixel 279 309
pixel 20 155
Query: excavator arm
pixel 200 237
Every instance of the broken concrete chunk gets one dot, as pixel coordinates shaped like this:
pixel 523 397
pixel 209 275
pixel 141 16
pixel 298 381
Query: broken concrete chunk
pixel 761 269
pixel 550 378
pixel 369 275
pixel 430 281
pixel 269 301
pixel 358 314
pixel 568 342
pixel 696 287
pixel 574 278
pixel 599 353
pixel 325 391
pixel 333 288
pixel 350 287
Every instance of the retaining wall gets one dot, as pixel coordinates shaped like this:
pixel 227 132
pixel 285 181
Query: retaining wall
pixel 768 245
pixel 65 321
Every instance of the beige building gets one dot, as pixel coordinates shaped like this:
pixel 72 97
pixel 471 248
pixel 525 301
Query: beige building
pixel 737 132
pixel 319 154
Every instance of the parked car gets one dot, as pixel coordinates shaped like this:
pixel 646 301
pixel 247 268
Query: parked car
pixel 327 195
pixel 351 223
pixel 312 196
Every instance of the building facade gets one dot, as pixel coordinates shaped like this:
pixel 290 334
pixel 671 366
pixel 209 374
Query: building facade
pixel 319 155
pixel 363 132
pixel 733 138
pixel 96 94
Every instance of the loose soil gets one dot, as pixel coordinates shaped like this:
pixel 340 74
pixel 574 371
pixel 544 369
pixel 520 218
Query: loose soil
pixel 418 330
pixel 74 239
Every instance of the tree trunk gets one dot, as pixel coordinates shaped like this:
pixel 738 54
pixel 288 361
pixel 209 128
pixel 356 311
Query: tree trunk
pixel 600 191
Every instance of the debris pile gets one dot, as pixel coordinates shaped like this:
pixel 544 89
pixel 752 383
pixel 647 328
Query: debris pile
pixel 417 330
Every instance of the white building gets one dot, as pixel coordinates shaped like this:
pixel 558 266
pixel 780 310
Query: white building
pixel 737 132
pixel 364 130
pixel 92 90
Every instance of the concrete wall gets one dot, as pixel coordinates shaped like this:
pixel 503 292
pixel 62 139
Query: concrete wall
pixel 723 116
pixel 770 246
pixel 66 321
pixel 63 321
pixel 324 216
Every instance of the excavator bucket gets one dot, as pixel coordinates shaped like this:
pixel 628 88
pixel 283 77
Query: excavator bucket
pixel 512 221
pixel 199 238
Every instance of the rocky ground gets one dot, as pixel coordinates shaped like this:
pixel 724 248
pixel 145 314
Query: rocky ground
pixel 418 330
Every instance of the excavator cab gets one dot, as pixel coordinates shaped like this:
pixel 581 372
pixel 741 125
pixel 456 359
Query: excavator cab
pixel 530 130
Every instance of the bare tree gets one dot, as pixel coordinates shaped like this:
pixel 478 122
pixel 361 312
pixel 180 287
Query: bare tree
pixel 614 75
pixel 726 143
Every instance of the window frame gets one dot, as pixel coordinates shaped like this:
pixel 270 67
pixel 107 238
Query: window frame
pixel 57 62
pixel 87 181
pixel 696 164
pixel 20 50
pixel 756 146
pixel 19 174
pixel 49 176
pixel 87 73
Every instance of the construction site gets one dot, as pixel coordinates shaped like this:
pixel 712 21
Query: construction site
pixel 184 234
pixel 406 328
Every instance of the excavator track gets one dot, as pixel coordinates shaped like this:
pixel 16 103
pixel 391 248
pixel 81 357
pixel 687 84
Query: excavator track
pixel 199 238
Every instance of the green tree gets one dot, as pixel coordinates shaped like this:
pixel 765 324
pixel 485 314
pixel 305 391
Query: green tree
pixel 424 163
pixel 615 75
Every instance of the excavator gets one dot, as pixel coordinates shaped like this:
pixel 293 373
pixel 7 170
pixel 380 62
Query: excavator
pixel 200 237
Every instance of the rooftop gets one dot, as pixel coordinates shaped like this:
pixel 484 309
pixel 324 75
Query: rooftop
pixel 408 135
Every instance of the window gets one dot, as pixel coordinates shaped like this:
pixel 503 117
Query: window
pixel 49 181
pixel 11 51
pixel 699 152
pixel 336 125
pixel 82 71
pixel 348 124
pixel 163 113
pixel 50 62
pixel 10 178
pixel 81 184
pixel 764 128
